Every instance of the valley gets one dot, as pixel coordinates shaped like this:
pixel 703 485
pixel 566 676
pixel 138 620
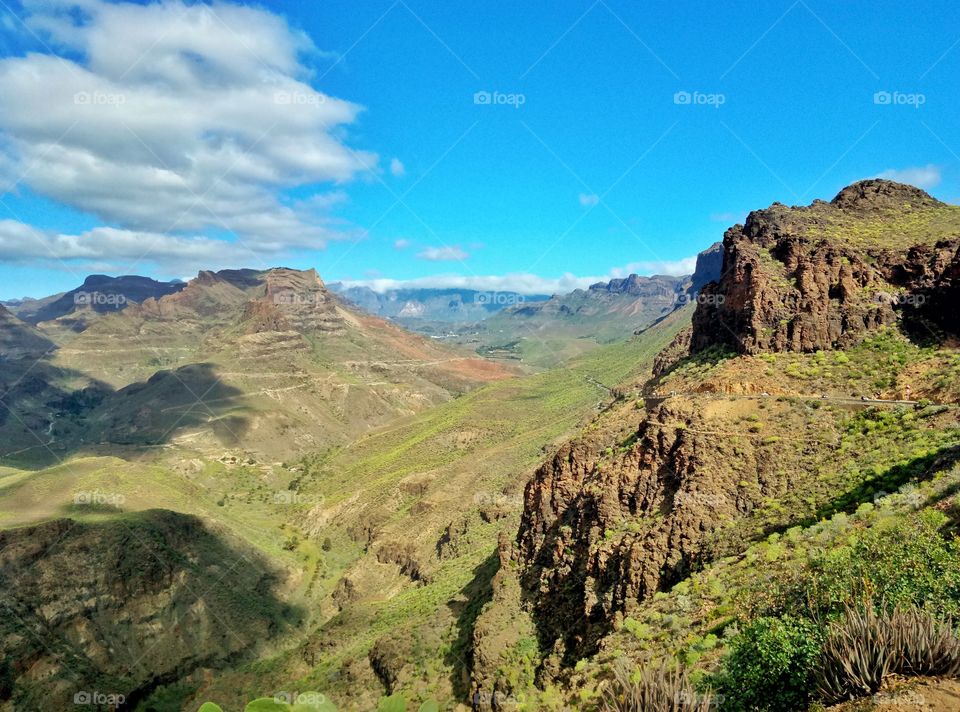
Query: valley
pixel 247 488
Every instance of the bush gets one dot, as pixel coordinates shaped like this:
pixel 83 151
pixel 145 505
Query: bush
pixel 771 666
pixel 872 567
pixel 864 647
pixel 660 688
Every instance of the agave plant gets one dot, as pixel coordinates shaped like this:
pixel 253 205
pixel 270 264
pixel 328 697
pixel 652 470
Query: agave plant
pixel 923 644
pixel 864 647
pixel 857 655
pixel 655 689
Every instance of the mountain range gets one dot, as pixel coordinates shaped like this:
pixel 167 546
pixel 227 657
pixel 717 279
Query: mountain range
pixel 246 487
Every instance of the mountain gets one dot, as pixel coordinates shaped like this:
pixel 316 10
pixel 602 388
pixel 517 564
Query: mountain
pixel 98 294
pixel 267 361
pixel 547 333
pixel 429 310
pixel 20 340
pixel 756 480
pixel 787 401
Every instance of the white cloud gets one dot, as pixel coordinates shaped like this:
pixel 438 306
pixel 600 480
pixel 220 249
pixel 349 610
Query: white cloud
pixel 176 117
pixel 402 244
pixel 397 168
pixel 443 254
pixel 588 200
pixel 525 283
pixel 726 218
pixel 675 268
pixel 110 249
pixel 925 177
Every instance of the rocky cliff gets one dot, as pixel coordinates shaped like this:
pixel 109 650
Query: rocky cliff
pixel 826 275
pixel 653 486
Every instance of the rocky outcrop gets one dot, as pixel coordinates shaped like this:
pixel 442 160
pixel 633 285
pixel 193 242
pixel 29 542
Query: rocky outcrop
pixel 825 276
pixel 637 502
pixel 123 606
pixel 606 524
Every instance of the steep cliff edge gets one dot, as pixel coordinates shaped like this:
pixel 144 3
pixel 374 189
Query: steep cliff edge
pixel 826 275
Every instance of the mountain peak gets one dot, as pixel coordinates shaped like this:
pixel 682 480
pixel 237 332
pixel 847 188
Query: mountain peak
pixel 878 193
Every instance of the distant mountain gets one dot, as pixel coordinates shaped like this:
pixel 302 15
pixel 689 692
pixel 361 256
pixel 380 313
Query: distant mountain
pixel 414 307
pixel 268 361
pixel 98 294
pixel 566 325
pixel 20 340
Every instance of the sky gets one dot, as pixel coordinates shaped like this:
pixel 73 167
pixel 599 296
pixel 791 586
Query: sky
pixel 532 145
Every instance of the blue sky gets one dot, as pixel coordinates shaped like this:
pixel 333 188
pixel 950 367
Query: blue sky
pixel 535 145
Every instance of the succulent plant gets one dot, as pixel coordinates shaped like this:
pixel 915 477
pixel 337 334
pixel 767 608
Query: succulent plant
pixel 661 688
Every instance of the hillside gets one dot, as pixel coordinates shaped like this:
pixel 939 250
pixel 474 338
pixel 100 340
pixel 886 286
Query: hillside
pixel 269 363
pixel 545 334
pixel 721 451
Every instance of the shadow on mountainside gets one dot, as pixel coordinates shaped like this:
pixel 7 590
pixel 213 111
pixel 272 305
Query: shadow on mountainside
pixel 477 593
pixel 44 419
pixel 127 605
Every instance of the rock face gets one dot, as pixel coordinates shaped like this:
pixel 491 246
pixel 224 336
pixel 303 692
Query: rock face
pixel 100 294
pixel 580 568
pixel 825 276
pixel 629 508
pixel 121 607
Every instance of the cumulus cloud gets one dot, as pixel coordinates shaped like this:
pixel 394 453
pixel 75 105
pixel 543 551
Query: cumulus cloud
pixel 443 254
pixel 525 283
pixel 926 177
pixel 402 244
pixel 113 249
pixel 588 200
pixel 397 168
pixel 176 117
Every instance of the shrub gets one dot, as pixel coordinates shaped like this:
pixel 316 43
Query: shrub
pixel 660 688
pixel 770 666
